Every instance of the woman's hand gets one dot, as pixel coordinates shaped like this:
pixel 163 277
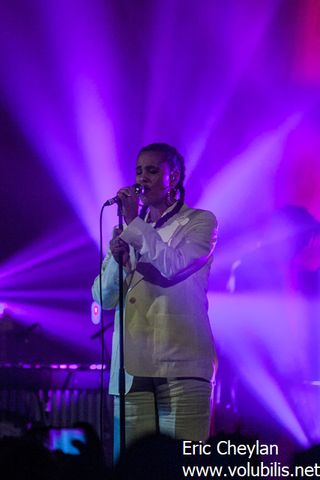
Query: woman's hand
pixel 130 203
pixel 118 247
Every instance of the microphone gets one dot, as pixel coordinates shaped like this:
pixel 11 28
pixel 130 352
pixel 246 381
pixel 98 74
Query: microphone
pixel 139 190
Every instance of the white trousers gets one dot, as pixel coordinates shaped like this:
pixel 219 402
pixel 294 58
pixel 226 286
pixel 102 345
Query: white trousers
pixel 178 407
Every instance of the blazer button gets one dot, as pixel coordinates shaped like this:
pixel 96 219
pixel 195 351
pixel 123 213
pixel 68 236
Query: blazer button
pixel 132 300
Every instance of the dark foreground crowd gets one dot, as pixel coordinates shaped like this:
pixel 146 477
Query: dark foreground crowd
pixel 152 457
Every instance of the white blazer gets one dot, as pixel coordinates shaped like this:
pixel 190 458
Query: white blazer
pixel 167 329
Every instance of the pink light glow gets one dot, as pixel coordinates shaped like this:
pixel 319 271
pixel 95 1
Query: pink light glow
pixel 95 313
pixel 97 366
pixel 307 67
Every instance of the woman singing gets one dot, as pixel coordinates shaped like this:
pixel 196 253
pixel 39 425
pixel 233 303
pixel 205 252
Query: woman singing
pixel 167 251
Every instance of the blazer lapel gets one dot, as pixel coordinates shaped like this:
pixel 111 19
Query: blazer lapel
pixel 167 233
pixel 134 280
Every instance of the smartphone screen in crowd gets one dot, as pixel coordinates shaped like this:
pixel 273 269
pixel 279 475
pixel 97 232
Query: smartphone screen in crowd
pixel 62 438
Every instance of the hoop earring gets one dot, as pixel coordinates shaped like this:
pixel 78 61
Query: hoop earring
pixel 171 196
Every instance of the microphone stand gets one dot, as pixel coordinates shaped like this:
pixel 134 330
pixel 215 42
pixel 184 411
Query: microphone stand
pixel 122 378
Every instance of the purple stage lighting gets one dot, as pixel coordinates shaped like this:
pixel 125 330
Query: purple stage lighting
pixel 253 331
pixel 2 309
pixel 235 87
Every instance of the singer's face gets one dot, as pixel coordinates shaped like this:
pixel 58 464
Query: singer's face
pixel 153 173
